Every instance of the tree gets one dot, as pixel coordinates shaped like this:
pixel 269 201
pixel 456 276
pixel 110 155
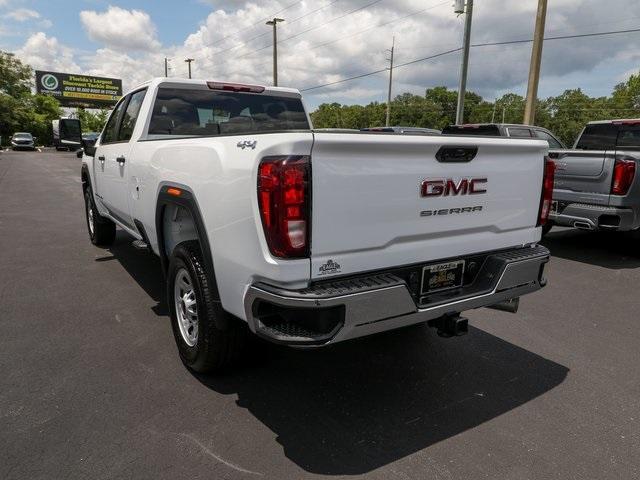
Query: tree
pixel 21 110
pixel 92 121
pixel 15 77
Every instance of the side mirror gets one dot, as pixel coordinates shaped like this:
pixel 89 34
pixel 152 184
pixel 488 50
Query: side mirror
pixel 89 147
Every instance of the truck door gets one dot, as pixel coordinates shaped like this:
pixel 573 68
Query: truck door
pixel 113 166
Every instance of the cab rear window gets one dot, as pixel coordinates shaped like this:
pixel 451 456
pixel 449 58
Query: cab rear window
pixel 183 112
pixel 599 136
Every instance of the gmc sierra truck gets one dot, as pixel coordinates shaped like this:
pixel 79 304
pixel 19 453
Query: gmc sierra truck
pixel 596 186
pixel 309 237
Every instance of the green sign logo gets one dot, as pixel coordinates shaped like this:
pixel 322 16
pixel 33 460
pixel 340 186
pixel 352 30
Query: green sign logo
pixel 49 81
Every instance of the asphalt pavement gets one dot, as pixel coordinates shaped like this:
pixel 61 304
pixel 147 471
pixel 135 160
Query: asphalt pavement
pixel 91 386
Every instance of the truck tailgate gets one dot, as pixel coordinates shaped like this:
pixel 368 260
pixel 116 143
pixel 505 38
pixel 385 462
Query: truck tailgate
pixel 368 211
pixel 583 176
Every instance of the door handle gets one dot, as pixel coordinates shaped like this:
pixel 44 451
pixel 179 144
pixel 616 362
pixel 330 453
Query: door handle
pixel 120 160
pixel 101 158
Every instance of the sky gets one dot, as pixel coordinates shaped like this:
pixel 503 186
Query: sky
pixel 325 41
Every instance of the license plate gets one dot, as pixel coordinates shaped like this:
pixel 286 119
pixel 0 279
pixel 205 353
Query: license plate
pixel 554 207
pixel 442 276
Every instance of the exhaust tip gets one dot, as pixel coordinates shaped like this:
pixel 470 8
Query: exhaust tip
pixel 583 225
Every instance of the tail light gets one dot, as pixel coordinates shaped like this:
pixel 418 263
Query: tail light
pixel 284 186
pixel 547 191
pixel 623 172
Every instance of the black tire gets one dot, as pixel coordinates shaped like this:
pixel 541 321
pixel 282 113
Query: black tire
pixel 215 349
pixel 104 230
pixel 546 228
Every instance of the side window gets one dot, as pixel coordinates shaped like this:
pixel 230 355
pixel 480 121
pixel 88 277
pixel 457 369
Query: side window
pixel 629 136
pixel 598 136
pixel 131 115
pixel 110 130
pixel 520 132
pixel 551 140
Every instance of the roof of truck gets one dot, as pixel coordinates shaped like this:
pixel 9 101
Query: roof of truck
pixel 203 82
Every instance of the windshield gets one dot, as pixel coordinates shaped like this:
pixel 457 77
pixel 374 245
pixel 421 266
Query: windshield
pixel 22 135
pixel 205 113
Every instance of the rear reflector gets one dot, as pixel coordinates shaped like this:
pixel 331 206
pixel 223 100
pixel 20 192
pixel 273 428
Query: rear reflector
pixel 235 87
pixel 624 171
pixel 284 187
pixel 547 191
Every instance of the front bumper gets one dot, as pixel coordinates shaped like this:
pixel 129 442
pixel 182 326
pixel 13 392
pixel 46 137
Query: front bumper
pixel 345 309
pixel 23 146
pixel 593 217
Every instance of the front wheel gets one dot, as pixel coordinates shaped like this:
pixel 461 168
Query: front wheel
pixel 102 231
pixel 203 346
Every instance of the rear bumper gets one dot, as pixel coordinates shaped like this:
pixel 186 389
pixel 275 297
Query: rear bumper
pixel 365 305
pixel 594 217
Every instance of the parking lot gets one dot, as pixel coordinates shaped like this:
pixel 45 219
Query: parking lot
pixel 91 385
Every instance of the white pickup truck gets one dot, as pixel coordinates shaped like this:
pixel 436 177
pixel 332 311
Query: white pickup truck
pixel 311 238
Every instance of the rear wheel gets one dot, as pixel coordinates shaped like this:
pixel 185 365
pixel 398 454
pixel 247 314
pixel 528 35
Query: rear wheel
pixel 195 315
pixel 102 231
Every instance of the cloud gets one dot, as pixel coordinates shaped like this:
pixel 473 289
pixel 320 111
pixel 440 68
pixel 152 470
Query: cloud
pixel 22 14
pixel 47 53
pixel 121 29
pixel 323 42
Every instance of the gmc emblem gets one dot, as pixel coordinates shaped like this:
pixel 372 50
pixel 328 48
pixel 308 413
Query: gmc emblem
pixel 445 188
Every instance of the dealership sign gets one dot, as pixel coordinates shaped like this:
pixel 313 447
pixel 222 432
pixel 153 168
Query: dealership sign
pixel 79 90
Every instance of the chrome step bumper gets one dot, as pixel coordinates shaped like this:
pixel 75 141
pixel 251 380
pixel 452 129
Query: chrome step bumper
pixel 380 302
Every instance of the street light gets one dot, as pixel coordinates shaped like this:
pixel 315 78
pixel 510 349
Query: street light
pixel 274 23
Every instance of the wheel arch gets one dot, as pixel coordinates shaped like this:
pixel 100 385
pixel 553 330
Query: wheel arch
pixel 186 200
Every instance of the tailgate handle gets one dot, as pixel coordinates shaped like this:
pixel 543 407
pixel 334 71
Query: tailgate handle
pixel 456 154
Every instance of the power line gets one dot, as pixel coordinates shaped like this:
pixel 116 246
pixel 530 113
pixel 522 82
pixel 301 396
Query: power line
pixel 382 70
pixel 561 37
pixel 240 45
pixel 315 27
pixel 446 2
pixel 510 42
pixel 259 22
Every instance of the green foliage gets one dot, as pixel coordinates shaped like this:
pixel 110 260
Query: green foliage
pixel 15 77
pixel 21 110
pixel 92 122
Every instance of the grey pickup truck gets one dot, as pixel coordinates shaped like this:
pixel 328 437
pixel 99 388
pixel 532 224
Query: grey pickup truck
pixel 596 187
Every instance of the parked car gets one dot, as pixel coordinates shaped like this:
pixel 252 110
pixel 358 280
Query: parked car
pixel 88 139
pixel 513 130
pixel 409 130
pixel 596 185
pixel 23 141
pixel 310 238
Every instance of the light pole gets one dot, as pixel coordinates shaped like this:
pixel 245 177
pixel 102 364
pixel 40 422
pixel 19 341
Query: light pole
pixel 465 60
pixel 536 60
pixel 274 23
pixel 189 60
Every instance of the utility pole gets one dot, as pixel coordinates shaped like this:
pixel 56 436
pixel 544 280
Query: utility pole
pixel 465 63
pixel 166 67
pixel 189 60
pixel 274 23
pixel 536 60
pixel 393 45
